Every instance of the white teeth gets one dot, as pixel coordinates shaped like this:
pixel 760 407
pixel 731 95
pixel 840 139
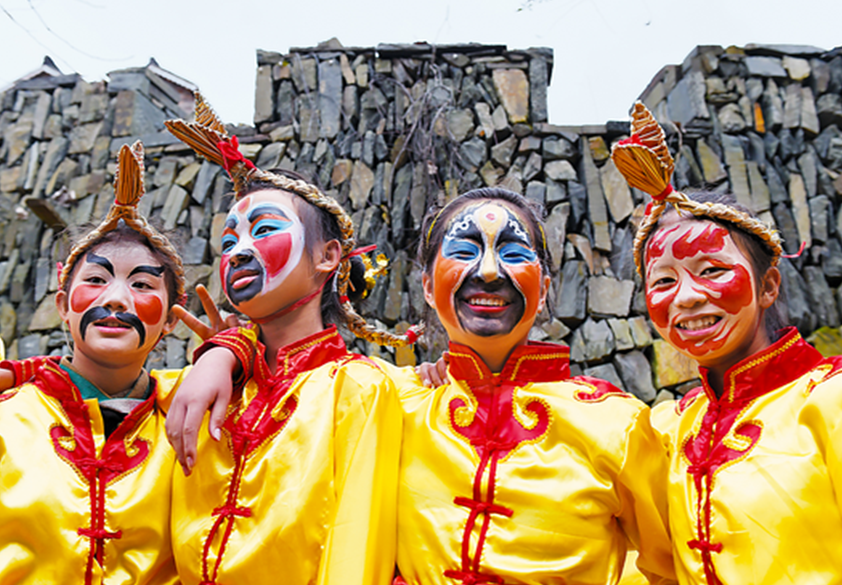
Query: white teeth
pixel 696 324
pixel 486 302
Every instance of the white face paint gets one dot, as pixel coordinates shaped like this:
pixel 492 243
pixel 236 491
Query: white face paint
pixel 262 245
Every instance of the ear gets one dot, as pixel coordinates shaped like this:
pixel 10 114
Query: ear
pixel 327 256
pixel 171 322
pixel 427 285
pixel 770 288
pixel 545 287
pixel 61 304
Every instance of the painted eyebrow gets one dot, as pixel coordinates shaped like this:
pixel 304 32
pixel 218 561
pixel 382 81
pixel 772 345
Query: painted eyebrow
pixel 264 209
pixel 143 269
pixel 94 259
pixel 231 222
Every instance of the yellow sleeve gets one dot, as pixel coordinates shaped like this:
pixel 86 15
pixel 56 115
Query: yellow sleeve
pixel 168 382
pixel 360 545
pixel 643 493
pixel 664 419
pixel 822 414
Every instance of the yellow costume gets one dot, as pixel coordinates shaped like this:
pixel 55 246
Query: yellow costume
pixel 755 476
pixel 527 476
pixel 301 486
pixel 77 506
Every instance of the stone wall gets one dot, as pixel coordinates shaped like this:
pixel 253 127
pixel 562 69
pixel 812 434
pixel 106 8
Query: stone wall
pixel 393 129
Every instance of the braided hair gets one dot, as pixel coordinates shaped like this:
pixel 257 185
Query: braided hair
pixel 122 219
pixel 207 136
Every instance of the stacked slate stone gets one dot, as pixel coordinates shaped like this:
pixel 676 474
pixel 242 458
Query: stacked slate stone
pixel 392 130
pixel 60 137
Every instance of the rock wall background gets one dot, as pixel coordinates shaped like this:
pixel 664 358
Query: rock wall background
pixel 392 129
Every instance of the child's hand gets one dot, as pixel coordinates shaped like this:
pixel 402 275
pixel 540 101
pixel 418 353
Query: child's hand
pixel 433 375
pixel 207 386
pixel 7 379
pixel 217 322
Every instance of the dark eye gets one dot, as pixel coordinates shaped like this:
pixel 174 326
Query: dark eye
pixel 664 281
pixel 94 280
pixel 228 242
pixel 513 253
pixel 268 226
pixel 142 285
pixel 464 250
pixel 713 271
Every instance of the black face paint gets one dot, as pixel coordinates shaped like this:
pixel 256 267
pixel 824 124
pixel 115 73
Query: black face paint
pixel 98 313
pixel 143 269
pixel 104 262
pixel 250 264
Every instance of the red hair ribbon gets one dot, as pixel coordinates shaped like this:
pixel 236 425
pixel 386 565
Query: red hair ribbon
pixel 663 194
pixel 231 154
pixel 360 251
pixel 798 253
pixel 633 139
pixel 412 334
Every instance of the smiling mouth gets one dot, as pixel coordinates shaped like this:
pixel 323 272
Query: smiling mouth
pixel 112 323
pixel 699 323
pixel 486 304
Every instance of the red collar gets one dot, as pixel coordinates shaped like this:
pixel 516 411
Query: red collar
pixel 786 360
pixel 534 361
pixel 303 355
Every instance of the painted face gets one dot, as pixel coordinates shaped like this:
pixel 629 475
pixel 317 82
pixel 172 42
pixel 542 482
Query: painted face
pixel 701 292
pixel 487 277
pixel 117 302
pixel 262 245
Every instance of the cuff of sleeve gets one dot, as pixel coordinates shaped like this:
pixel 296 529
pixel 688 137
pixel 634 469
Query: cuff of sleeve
pixel 23 370
pixel 241 341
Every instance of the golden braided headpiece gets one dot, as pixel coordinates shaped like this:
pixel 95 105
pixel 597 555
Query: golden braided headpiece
pixel 207 136
pixel 128 189
pixel 646 163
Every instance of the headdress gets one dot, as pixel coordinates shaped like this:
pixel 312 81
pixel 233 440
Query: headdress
pixel 128 189
pixel 207 136
pixel 646 163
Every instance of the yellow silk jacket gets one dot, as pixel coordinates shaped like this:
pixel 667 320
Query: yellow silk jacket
pixel 755 476
pixel 527 476
pixel 76 507
pixel 301 488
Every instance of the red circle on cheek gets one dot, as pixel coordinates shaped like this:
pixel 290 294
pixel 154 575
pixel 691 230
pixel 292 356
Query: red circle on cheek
pixel 82 296
pixel 149 308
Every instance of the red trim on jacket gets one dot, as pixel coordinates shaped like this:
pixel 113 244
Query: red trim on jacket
pixel 263 419
pixel 783 362
pixel 493 427
pixel 24 370
pixel 76 447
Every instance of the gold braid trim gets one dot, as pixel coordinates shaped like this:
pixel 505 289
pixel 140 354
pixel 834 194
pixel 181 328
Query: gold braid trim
pixel 128 189
pixel 204 136
pixel 646 163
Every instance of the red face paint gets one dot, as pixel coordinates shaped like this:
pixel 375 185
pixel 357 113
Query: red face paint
pixel 657 244
pixel 710 241
pixel 148 307
pixel 275 251
pixel 83 295
pixel 701 293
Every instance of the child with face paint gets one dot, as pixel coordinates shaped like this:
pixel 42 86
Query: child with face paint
pixel 296 481
pixel 85 466
pixel 755 465
pixel 512 471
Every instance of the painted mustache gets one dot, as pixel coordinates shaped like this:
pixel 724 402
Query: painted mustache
pixel 98 313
